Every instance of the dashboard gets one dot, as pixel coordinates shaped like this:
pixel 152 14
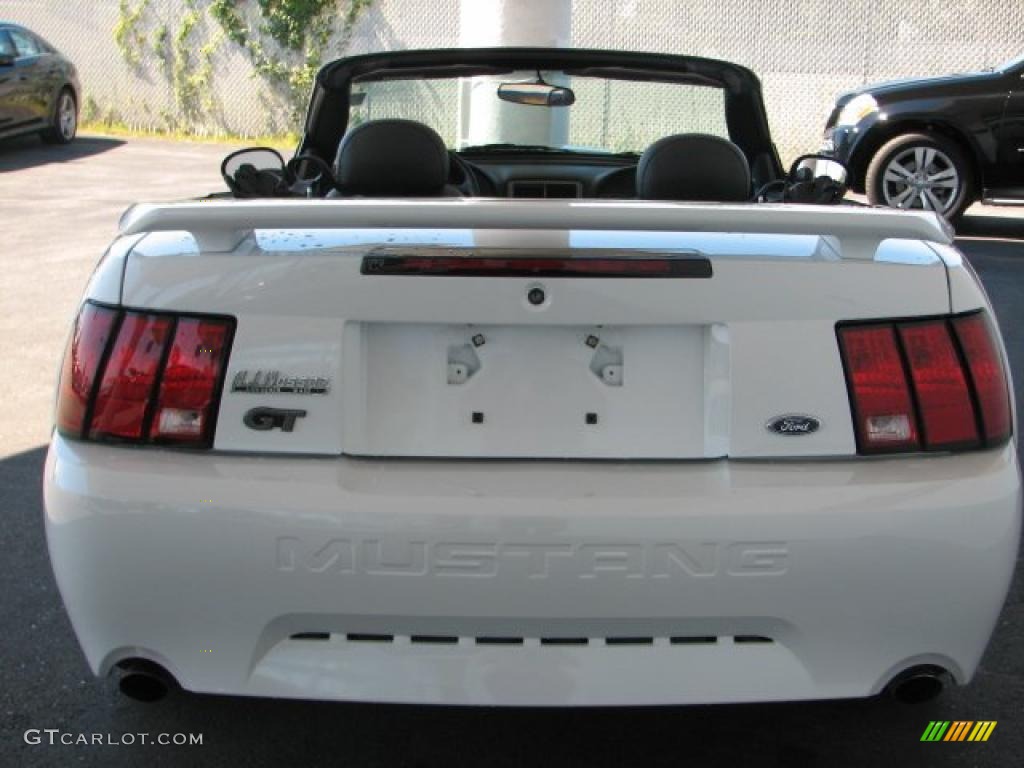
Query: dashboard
pixel 563 175
pixel 558 176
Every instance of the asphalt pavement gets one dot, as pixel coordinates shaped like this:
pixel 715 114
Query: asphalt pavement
pixel 58 211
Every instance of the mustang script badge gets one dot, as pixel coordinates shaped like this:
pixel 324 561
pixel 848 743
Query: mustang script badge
pixel 272 382
pixel 793 424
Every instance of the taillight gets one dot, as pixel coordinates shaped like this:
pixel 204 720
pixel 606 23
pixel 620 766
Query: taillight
pixel 191 379
pixel 933 385
pixel 940 386
pixel 143 377
pixel 89 341
pixel 126 388
pixel 883 411
pixel 978 342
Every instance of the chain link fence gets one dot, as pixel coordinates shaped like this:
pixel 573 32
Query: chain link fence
pixel 805 51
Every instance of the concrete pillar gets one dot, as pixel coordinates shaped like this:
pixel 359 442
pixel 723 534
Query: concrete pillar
pixel 496 23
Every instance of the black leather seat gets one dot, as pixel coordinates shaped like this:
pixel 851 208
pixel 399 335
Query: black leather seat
pixel 393 158
pixel 695 167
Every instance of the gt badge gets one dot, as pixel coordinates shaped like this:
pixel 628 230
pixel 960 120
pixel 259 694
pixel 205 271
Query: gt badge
pixel 264 419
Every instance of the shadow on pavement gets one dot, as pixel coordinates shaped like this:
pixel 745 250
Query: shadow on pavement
pixel 29 151
pixel 15 491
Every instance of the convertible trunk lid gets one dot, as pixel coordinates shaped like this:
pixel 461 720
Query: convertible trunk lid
pixel 549 329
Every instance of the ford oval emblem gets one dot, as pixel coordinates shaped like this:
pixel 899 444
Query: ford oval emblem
pixel 793 424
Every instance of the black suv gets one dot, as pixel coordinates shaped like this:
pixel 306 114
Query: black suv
pixel 938 143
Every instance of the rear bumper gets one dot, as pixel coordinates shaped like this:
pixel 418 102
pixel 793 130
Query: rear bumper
pixel 210 564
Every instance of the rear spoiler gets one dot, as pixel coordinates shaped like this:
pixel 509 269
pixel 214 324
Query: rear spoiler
pixel 220 226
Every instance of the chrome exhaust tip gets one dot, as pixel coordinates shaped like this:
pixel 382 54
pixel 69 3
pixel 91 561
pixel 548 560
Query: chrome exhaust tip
pixel 918 684
pixel 144 680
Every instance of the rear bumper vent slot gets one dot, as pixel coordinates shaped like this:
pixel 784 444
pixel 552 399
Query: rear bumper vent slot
pixel 434 639
pixel 499 641
pixel 513 640
pixel 629 641
pixel 564 640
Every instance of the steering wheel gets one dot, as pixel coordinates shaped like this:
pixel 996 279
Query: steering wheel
pixel 469 185
pixel 311 175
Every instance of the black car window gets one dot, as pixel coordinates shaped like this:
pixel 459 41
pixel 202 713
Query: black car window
pixel 6 44
pixel 25 43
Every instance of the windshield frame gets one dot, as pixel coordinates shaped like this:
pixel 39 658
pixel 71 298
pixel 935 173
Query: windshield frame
pixel 328 114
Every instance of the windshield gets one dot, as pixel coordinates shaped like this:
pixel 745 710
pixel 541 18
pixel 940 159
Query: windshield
pixel 607 115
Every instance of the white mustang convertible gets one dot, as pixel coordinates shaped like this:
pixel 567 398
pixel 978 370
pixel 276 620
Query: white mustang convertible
pixel 532 379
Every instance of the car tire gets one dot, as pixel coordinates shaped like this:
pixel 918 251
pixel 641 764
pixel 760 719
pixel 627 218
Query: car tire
pixel 64 124
pixel 921 171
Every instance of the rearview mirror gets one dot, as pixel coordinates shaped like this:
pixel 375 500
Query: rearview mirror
pixel 6 59
pixel 811 167
pixel 536 94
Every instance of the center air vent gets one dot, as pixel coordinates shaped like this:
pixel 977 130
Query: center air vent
pixel 558 189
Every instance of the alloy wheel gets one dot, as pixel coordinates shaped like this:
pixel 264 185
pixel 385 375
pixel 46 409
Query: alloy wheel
pixel 921 177
pixel 67 119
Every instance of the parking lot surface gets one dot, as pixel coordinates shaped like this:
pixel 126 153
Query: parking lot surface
pixel 59 208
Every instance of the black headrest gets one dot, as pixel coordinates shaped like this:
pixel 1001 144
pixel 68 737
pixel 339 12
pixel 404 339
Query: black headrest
pixel 398 158
pixel 693 166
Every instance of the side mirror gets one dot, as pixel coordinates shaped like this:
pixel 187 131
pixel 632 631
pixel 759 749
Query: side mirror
pixel 810 167
pixel 7 59
pixel 255 172
pixel 536 94
pixel 815 180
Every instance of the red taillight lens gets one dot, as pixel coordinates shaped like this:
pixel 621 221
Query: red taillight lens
pixel 978 342
pixel 126 389
pixel 143 376
pixel 88 343
pixel 191 378
pixel 919 385
pixel 883 411
pixel 947 414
